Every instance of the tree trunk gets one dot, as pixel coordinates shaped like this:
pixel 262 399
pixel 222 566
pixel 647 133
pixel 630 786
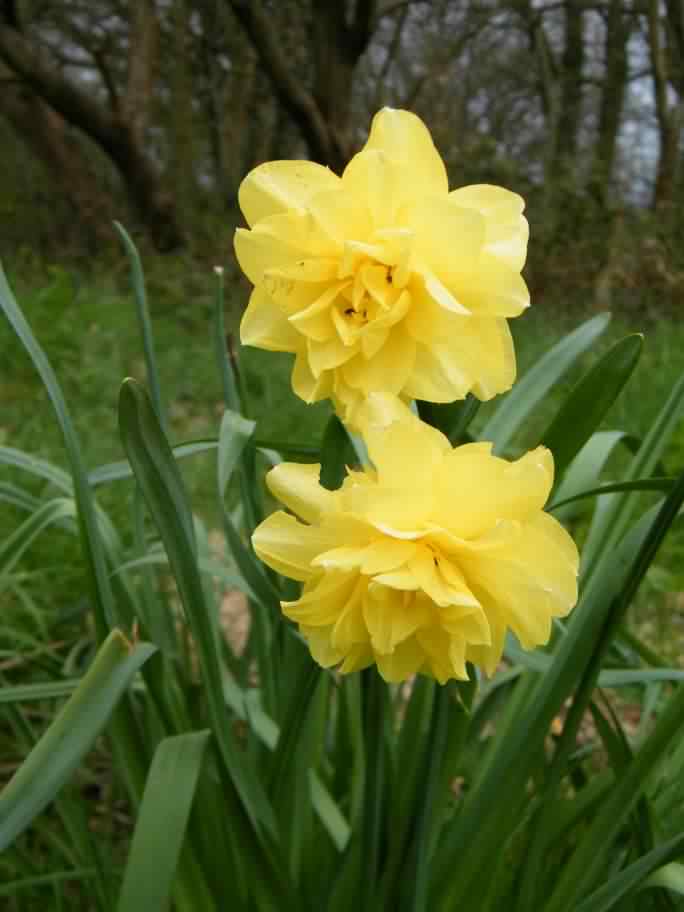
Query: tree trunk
pixel 46 135
pixel 322 113
pixel 669 116
pixel 335 53
pixel 567 122
pixel 121 134
pixel 612 100
pixel 181 128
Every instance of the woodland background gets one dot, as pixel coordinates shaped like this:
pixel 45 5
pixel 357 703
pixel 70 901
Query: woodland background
pixel 151 112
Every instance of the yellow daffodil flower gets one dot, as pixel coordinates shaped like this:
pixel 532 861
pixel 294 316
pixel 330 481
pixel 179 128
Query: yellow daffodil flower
pixel 382 280
pixel 421 562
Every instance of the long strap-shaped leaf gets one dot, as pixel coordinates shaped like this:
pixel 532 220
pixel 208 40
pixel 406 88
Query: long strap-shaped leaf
pixel 586 406
pixel 160 482
pixel 533 387
pixel 636 876
pixel 584 867
pixel 68 738
pixel 90 537
pixel 162 822
pixel 609 526
pixel 143 314
pixel 483 821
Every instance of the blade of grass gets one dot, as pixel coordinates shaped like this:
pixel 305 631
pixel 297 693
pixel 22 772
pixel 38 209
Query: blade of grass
pixel 27 693
pixel 61 749
pixel 39 880
pixel 51 513
pixel 40 468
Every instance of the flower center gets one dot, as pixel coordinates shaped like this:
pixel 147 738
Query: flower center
pixel 377 272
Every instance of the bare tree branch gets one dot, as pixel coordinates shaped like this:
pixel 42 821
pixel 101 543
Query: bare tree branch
pixel 117 137
pixel 297 100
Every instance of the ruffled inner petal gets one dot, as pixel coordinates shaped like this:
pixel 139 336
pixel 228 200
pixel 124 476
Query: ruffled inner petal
pixel 279 186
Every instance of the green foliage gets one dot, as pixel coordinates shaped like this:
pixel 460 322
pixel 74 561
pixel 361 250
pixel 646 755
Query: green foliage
pixel 254 779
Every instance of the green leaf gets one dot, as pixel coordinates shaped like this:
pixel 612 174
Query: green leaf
pixel 41 880
pixel 671 876
pixel 610 524
pixel 431 795
pixel 491 806
pixel 207 566
pixel 60 750
pixel 142 310
pixel 27 693
pixel 18 497
pixel 290 449
pixel 268 733
pixel 48 514
pixel 162 487
pixel 337 453
pixel 586 406
pixel 540 661
pixel 584 471
pixel 90 537
pixel 452 419
pixel 234 436
pixel 230 381
pixel 531 389
pixel 636 876
pixel 162 822
pixel 117 471
pixel 297 752
pixel 586 863
pixel 375 710
pixel 640 484
pixel 39 468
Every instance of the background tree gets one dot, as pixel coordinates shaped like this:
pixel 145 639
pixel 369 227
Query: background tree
pixel 153 111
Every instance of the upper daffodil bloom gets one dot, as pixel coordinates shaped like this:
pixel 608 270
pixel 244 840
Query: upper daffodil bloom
pixel 421 562
pixel 382 280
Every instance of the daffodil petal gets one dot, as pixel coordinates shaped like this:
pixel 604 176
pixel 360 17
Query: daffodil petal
pixel 507 229
pixel 298 487
pixel 322 602
pixel 288 545
pixel 307 386
pixel 388 370
pixel 407 659
pixel 265 326
pixel 320 645
pixel 405 140
pixel 449 239
pixel 279 186
pixel 436 377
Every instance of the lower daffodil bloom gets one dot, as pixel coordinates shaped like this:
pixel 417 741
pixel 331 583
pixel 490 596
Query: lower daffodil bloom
pixel 382 280
pixel 422 562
